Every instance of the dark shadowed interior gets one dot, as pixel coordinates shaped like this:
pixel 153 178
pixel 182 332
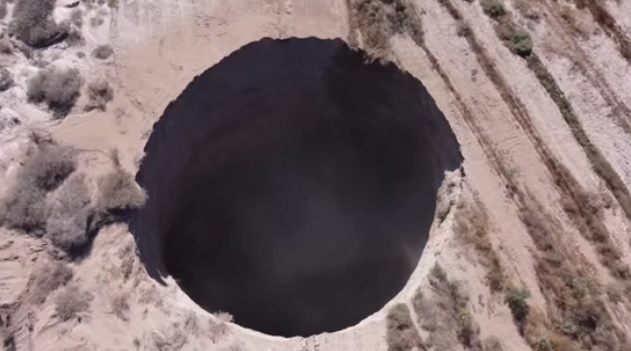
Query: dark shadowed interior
pixel 293 185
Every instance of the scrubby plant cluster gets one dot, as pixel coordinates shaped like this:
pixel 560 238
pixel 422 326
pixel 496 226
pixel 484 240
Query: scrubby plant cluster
pixel 59 88
pixel 46 279
pixel 99 94
pixel 71 303
pixel 51 200
pixel 515 38
pixel 102 52
pixel 33 23
pixel 24 208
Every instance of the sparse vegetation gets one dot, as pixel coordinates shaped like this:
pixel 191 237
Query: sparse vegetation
pixel 48 278
pixel 102 52
pixel 72 303
pixel 401 333
pixel 58 88
pixel 33 23
pixel 556 277
pixel 472 226
pixel 446 315
pixel 99 93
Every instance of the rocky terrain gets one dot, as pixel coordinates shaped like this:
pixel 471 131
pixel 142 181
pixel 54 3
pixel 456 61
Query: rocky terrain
pixel 529 248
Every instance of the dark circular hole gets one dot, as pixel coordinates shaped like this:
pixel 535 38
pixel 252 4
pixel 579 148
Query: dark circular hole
pixel 293 185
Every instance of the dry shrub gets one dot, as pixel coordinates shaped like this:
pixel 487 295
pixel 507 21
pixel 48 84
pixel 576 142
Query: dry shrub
pixel 6 79
pixel 118 192
pixel 599 11
pixel 50 166
pixel 48 278
pixel 3 9
pixel 127 255
pixel 75 36
pixel 6 47
pixel 472 225
pixel 191 324
pixel 170 339
pixel 401 333
pixel 58 88
pixel 76 17
pixel 378 20
pixel 97 21
pixel 102 52
pixel 8 340
pixel 120 306
pixel 72 303
pixel 99 93
pixel 33 23
pixel 24 207
pixel 68 215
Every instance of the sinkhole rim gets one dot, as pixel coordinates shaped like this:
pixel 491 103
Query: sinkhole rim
pixel 147 224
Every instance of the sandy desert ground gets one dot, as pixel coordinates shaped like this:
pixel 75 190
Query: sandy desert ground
pixel 529 248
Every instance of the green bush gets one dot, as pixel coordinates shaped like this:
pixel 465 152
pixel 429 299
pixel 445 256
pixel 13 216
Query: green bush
pixel 521 43
pixel 516 300
pixel 494 8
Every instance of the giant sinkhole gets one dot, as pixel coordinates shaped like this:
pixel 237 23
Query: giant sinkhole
pixel 293 185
